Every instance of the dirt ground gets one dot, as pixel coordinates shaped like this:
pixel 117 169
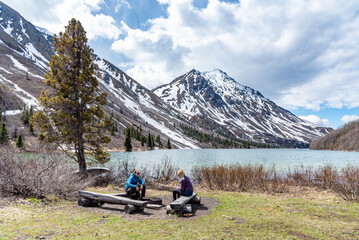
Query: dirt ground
pixel 205 208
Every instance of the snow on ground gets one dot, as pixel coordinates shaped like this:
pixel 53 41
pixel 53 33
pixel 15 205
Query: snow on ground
pixel 9 29
pixel 3 69
pixel 29 100
pixel 17 64
pixel 12 112
pixel 33 51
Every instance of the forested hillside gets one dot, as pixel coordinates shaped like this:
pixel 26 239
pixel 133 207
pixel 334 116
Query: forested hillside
pixel 343 139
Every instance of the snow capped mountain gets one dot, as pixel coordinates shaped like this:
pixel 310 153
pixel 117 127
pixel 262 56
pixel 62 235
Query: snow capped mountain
pixel 25 52
pixel 195 106
pixel 138 105
pixel 242 110
pixel 22 37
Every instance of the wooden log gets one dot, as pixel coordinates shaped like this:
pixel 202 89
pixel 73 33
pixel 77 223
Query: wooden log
pixel 154 206
pixel 169 210
pixel 84 202
pixel 195 200
pixel 129 209
pixel 179 202
pixel 181 211
pixel 107 198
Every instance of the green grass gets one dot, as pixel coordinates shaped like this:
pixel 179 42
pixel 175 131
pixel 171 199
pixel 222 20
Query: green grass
pixel 255 216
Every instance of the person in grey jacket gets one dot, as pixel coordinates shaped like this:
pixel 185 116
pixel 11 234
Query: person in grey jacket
pixel 186 188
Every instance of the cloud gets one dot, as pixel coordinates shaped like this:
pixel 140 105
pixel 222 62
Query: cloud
pixel 54 16
pixel 349 118
pixel 122 4
pixel 297 53
pixel 316 120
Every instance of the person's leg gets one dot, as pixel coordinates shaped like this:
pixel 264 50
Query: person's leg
pixel 176 193
pixel 131 192
pixel 143 192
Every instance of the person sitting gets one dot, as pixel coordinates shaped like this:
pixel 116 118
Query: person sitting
pixel 186 188
pixel 135 184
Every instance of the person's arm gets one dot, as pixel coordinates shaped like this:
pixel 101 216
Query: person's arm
pixel 183 185
pixel 129 182
pixel 142 182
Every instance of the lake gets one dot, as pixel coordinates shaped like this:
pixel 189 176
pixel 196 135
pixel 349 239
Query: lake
pixel 281 158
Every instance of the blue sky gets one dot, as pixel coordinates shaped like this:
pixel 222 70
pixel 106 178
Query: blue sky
pixel 303 55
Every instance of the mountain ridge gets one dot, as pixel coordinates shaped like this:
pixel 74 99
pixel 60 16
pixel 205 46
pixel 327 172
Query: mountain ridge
pixel 231 104
pixel 25 53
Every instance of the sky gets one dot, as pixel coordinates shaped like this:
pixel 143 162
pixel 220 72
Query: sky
pixel 302 54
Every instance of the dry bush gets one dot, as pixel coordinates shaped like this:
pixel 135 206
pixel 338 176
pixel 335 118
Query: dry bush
pixel 302 177
pixel 347 186
pixel 124 169
pixel 326 177
pixel 240 178
pixel 164 171
pixel 37 175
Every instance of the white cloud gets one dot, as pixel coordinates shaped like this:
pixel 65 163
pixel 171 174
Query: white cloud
pixel 122 4
pixel 349 118
pixel 316 120
pixel 298 53
pixel 55 15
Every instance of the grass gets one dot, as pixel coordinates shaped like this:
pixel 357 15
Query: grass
pixel 314 215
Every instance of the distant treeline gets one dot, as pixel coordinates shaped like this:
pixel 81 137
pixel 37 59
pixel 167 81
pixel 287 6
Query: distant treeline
pixel 226 141
pixel 343 139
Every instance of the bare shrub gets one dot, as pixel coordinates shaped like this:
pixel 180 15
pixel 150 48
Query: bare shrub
pixel 37 175
pixel 326 177
pixel 240 178
pixel 347 186
pixel 302 177
pixel 164 171
pixel 124 169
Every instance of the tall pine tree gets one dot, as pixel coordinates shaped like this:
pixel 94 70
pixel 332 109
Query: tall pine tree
pixel 4 134
pixel 127 142
pixel 72 112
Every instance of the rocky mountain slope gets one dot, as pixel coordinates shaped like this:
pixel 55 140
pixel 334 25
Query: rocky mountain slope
pixel 342 139
pixel 214 97
pixel 25 52
pixel 210 105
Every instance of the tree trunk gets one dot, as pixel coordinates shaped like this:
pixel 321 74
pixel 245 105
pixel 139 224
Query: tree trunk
pixel 82 161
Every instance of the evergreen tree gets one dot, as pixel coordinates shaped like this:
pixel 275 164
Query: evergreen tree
pixel 169 144
pixel 72 112
pixel 31 129
pixel 14 135
pixel 25 116
pixel 152 141
pixel 127 142
pixel 4 134
pixel 31 111
pixel 113 130
pixel 149 140
pixel 19 142
pixel 158 140
pixel 143 140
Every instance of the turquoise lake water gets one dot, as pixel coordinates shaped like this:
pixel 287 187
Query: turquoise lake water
pixel 281 158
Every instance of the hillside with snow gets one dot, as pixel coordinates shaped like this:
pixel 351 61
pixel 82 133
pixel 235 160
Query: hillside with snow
pixel 245 112
pixel 194 107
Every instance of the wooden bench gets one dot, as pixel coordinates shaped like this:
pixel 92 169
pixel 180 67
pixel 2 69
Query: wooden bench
pixel 179 205
pixel 91 199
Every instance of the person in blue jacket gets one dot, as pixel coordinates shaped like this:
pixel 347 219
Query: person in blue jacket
pixel 135 184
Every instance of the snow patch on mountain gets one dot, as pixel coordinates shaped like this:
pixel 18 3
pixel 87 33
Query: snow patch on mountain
pixel 27 98
pixel 17 64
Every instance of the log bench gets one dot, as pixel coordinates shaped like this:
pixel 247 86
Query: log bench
pixel 91 199
pixel 179 205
